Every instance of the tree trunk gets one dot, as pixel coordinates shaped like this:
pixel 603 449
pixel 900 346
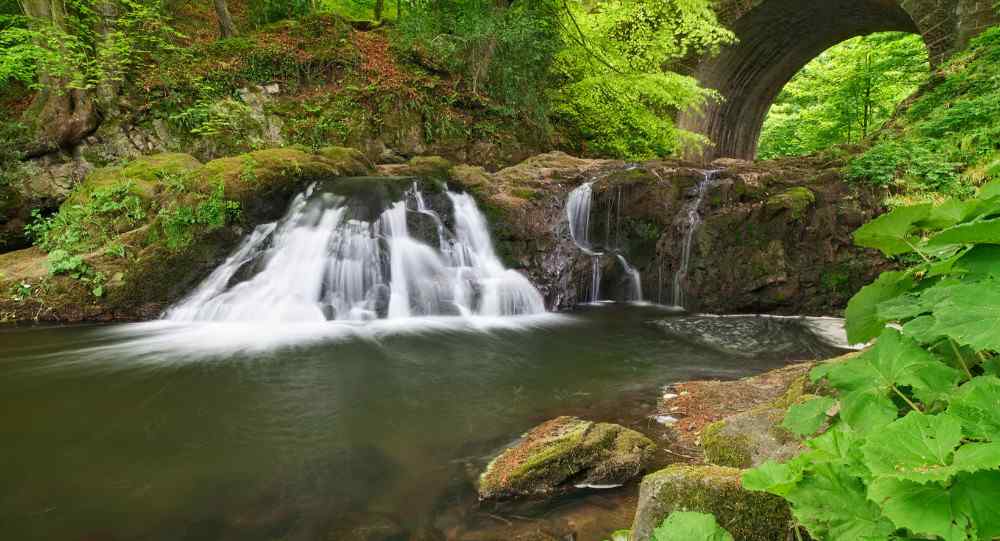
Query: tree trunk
pixel 379 6
pixel 63 116
pixel 226 27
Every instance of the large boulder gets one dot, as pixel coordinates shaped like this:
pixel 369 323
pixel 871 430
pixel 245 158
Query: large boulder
pixel 563 454
pixel 748 516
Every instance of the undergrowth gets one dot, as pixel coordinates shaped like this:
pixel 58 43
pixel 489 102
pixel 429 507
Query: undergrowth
pixel 948 141
pixel 913 445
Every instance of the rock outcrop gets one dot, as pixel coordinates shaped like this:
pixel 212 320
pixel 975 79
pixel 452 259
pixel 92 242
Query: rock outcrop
pixel 748 516
pixel 563 454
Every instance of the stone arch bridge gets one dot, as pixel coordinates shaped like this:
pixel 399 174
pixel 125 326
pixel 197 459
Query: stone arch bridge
pixel 777 38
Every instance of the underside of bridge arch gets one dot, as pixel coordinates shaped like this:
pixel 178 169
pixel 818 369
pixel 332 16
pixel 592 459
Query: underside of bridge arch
pixel 777 38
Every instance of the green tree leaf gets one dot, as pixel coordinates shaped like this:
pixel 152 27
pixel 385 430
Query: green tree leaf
pixel 805 419
pixel 891 233
pixel 690 526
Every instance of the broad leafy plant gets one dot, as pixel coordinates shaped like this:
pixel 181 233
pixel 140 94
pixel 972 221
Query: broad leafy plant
pixel 912 445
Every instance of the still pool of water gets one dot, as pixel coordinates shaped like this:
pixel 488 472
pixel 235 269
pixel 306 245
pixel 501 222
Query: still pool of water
pixel 215 431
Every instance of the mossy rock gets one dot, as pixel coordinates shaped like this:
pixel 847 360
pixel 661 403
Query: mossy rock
pixel 748 516
pixel 146 175
pixel 470 177
pixel 429 167
pixel 350 161
pixel 565 453
pixel 749 439
pixel 793 200
pixel 628 177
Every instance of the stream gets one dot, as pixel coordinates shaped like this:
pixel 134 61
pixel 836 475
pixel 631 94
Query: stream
pixel 259 431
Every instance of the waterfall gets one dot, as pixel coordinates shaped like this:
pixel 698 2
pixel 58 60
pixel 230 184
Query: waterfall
pixel 578 213
pixel 578 210
pixel 634 278
pixel 321 263
pixel 692 219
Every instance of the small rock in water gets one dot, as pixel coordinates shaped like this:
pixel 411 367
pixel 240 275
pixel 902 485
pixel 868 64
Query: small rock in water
pixel 543 461
pixel 666 420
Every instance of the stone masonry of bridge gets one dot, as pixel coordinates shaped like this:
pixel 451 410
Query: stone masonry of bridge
pixel 777 38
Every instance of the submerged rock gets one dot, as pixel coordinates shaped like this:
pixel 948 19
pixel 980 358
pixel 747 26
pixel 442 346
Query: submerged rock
pixel 748 516
pixel 566 453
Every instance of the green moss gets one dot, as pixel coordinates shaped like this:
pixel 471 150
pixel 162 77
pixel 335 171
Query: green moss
pixel 147 175
pixel 794 200
pixel 562 449
pixel 748 516
pixel 350 161
pixel 726 450
pixel 626 177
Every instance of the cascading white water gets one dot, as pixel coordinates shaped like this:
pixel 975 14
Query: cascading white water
pixel 578 207
pixel 578 213
pixel 634 278
pixel 319 264
pixel 692 219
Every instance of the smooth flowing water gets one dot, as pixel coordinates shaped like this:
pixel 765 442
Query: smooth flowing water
pixel 692 219
pixel 220 430
pixel 321 262
pixel 578 213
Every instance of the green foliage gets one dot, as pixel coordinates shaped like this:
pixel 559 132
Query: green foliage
pixel 62 263
pixel 690 526
pixel 84 225
pixel 844 94
pixel 948 141
pixel 268 11
pixel 84 49
pixel 613 92
pixel 913 448
pixel 179 223
pixel 504 53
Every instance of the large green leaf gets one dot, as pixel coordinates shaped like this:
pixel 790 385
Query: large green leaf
pixel 985 232
pixel 833 506
pixel 863 322
pixel 977 406
pixel 891 232
pixel 975 497
pixel 917 447
pixel 773 477
pixel 964 510
pixel 921 508
pixel 805 419
pixel 951 212
pixel 690 526
pixel 970 315
pixel 868 380
pixel 981 260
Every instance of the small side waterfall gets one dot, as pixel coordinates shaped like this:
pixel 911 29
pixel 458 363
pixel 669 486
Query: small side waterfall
pixel 578 211
pixel 320 263
pixel 692 219
pixel 635 280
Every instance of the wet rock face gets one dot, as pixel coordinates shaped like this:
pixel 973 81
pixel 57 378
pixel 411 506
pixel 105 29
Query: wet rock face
pixel 563 454
pixel 772 237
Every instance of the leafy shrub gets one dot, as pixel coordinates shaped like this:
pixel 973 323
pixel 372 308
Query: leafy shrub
pixel 62 263
pixel 79 227
pixel 179 223
pixel 913 446
pixel 683 526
